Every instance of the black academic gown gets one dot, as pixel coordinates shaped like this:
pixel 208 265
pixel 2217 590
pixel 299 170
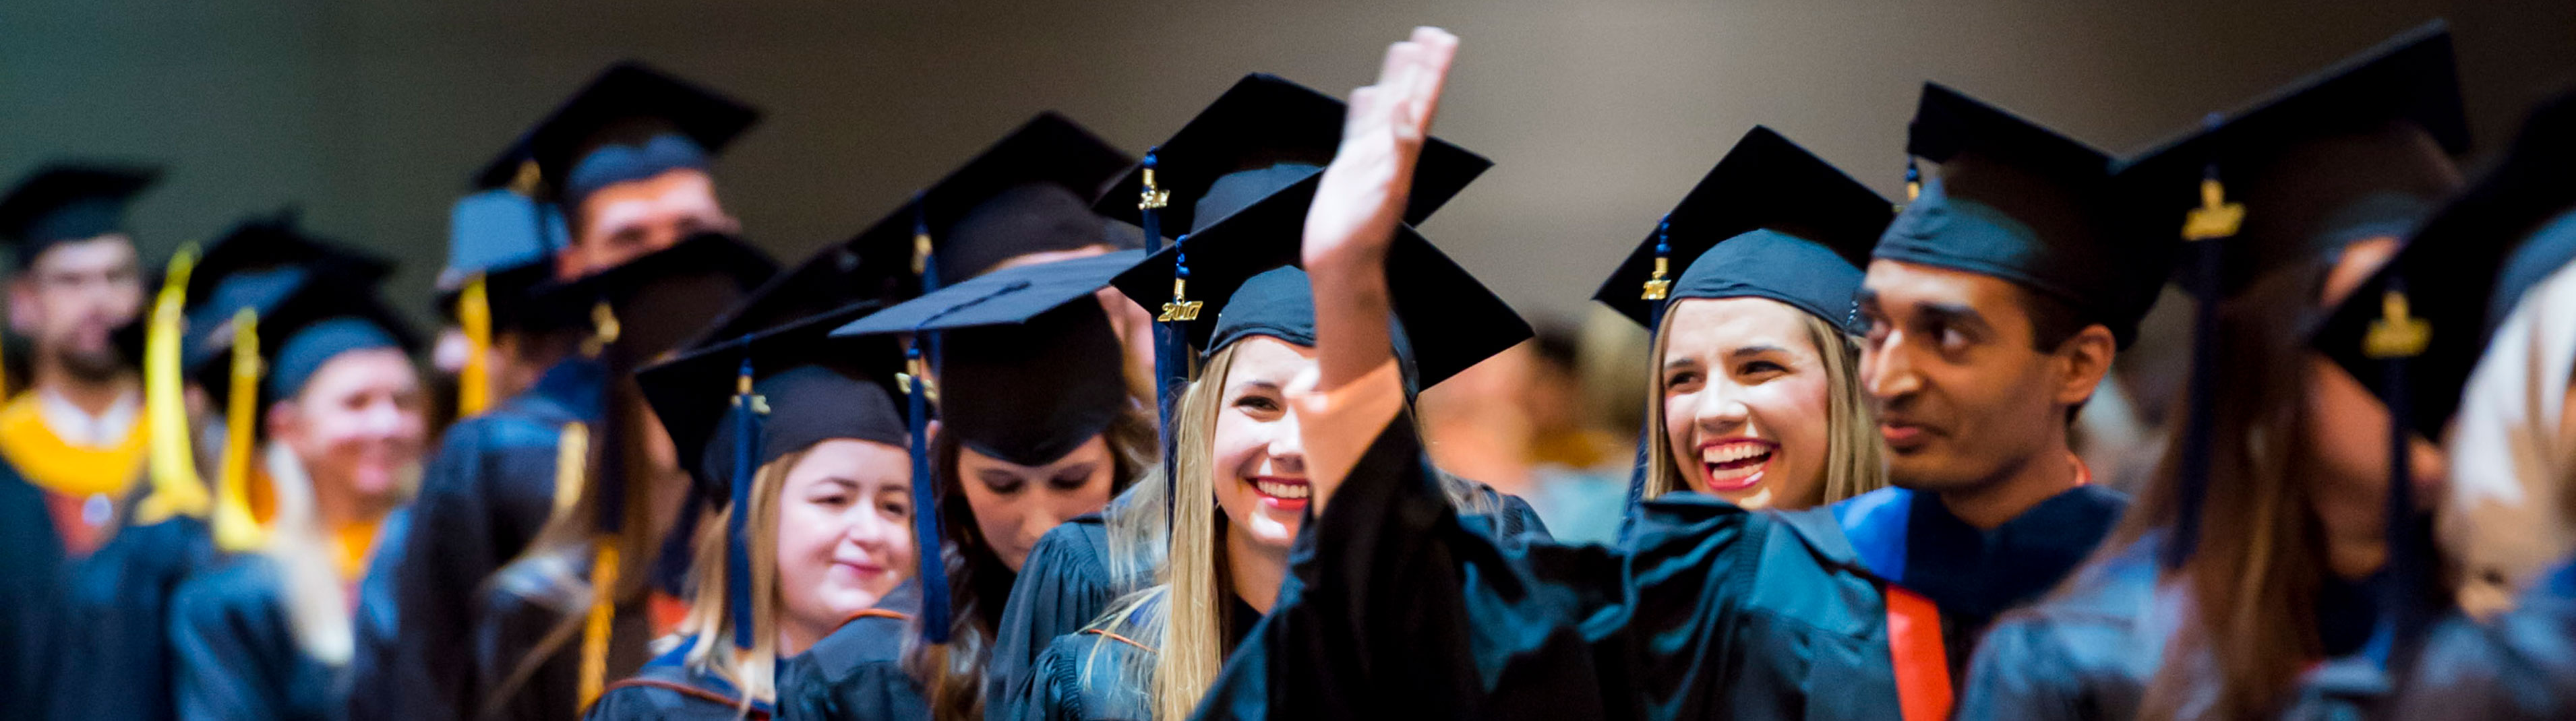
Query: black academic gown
pixel 235 653
pixel 856 673
pixel 1975 574
pixel 667 689
pixel 2522 665
pixel 1094 676
pixel 1064 585
pixel 114 658
pixel 2085 653
pixel 1401 608
pixel 524 610
pixel 31 576
pixel 484 496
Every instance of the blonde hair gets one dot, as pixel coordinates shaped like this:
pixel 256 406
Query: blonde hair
pixel 1183 618
pixel 710 623
pixel 1852 455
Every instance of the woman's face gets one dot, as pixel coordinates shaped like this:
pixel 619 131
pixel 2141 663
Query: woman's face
pixel 844 530
pixel 1259 461
pixel 2347 425
pixel 1745 399
pixel 1015 504
pixel 361 420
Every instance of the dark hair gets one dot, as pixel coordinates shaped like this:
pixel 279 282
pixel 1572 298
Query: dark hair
pixel 2053 322
pixel 952 675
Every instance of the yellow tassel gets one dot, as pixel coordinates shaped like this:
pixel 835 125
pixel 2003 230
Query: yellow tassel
pixel 474 381
pixel 572 454
pixel 176 488
pixel 235 529
pixel 603 615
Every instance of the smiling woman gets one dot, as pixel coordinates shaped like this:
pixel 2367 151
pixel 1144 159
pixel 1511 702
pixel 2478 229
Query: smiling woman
pixel 1760 404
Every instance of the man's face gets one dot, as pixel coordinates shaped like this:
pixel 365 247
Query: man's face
pixel 624 221
pixel 73 297
pixel 1962 396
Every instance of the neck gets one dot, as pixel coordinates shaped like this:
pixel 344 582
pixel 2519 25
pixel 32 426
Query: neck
pixel 337 504
pixel 1998 500
pixel 795 635
pixel 2356 532
pixel 92 396
pixel 1257 571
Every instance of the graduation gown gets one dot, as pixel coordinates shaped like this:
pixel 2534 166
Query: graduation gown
pixel 667 689
pixel 1064 585
pixel 235 653
pixel 1093 675
pixel 31 575
pixel 2085 653
pixel 523 609
pixel 486 492
pixel 115 658
pixel 2522 665
pixel 1974 574
pixel 857 672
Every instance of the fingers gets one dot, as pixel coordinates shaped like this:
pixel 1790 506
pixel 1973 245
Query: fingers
pixel 1437 50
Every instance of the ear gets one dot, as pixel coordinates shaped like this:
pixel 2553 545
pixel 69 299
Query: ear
pixel 2082 361
pixel 282 423
pixel 22 306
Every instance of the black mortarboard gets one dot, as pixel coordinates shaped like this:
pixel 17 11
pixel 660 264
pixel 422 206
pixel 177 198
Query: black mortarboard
pixel 1770 221
pixel 631 122
pixel 1028 366
pixel 2463 271
pixel 1027 193
pixel 2020 202
pixel 665 297
pixel 1269 139
pixel 276 240
pixel 2314 165
pixel 304 319
pixel 1447 320
pixel 743 403
pixel 68 201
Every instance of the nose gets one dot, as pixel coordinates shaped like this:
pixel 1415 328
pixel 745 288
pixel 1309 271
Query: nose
pixel 1721 408
pixel 871 532
pixel 1886 369
pixel 1287 449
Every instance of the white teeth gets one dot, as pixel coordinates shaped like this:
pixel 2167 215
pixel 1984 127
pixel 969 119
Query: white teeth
pixel 1286 491
pixel 1731 452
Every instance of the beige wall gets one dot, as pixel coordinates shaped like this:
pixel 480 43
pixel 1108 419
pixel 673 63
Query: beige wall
pixel 1599 113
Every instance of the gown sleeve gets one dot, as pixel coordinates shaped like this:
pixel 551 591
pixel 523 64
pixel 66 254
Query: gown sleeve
pixel 114 657
pixel 233 652
pixel 482 498
pixel 2520 666
pixel 31 577
pixel 1064 586
pixel 1399 607
pixel 854 674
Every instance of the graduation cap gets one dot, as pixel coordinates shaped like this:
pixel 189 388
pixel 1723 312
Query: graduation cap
pixel 744 403
pixel 649 305
pixel 66 202
pixel 2020 202
pixel 283 324
pixel 277 240
pixel 2332 159
pixel 1028 193
pixel 631 122
pixel 1266 139
pixel 1770 221
pixel 1029 369
pixel 1447 320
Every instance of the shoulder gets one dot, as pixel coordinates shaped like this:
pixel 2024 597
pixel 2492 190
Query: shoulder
pixel 863 645
pixel 1087 675
pixel 217 595
pixel 666 692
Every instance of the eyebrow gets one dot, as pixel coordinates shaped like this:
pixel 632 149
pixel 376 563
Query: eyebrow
pixel 1755 350
pixel 1953 313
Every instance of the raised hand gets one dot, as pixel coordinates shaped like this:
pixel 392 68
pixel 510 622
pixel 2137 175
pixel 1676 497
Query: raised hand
pixel 1362 197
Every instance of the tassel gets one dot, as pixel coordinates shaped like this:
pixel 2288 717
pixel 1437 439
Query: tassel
pixel 602 619
pixel 177 490
pixel 474 381
pixel 236 530
pixel 2395 337
pixel 572 455
pixel 1658 290
pixel 748 408
pixel 925 504
pixel 2205 230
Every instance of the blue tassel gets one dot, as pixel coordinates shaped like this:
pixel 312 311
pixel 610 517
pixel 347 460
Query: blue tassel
pixel 2403 613
pixel 746 464
pixel 925 505
pixel 1646 426
pixel 1171 364
pixel 2201 415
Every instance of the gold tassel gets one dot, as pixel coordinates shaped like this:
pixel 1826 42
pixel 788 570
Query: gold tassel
pixel 603 616
pixel 235 529
pixel 474 381
pixel 572 454
pixel 176 488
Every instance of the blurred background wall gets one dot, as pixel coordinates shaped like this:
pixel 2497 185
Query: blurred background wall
pixel 369 114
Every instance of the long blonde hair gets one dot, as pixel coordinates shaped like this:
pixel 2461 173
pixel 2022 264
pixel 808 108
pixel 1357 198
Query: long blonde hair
pixel 1183 618
pixel 710 623
pixel 1852 455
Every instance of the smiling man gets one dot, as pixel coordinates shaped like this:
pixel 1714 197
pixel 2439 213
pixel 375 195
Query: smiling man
pixel 628 161
pixel 1994 304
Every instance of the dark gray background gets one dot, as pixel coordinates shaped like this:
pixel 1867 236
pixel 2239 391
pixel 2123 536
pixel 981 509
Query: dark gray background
pixel 1599 113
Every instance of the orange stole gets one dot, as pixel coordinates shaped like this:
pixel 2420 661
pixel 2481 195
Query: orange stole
pixel 69 474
